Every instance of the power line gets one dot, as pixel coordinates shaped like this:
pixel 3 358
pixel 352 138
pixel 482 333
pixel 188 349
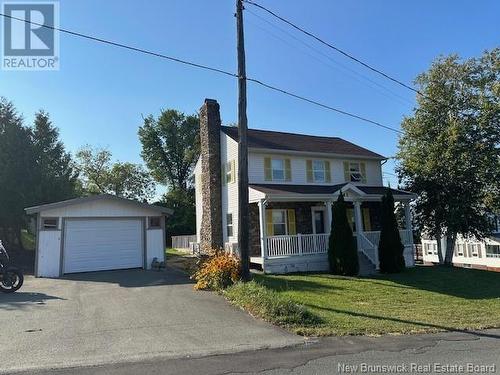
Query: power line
pixel 322 41
pixel 205 67
pixel 350 71
pixel 323 105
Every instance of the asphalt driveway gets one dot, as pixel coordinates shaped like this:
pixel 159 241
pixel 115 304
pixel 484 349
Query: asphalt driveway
pixel 118 316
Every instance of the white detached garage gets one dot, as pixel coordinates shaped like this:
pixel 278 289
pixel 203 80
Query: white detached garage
pixel 97 233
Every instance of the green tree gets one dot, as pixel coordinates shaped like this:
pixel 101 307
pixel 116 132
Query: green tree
pixel 449 154
pixel 101 176
pixel 183 219
pixel 171 147
pixel 17 173
pixel 390 247
pixel 57 179
pixel 342 252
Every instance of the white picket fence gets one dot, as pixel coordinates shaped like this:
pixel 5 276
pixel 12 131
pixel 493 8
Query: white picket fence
pixel 182 242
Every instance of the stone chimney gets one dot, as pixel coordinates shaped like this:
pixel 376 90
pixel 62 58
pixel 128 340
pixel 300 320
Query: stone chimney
pixel 211 179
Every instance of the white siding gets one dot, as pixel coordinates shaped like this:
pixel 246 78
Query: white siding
pixel 468 259
pixel 49 253
pixel 154 245
pixel 229 151
pixel 298 164
pixel 100 208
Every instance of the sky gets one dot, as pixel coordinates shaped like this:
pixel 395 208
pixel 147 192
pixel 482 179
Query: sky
pixel 101 93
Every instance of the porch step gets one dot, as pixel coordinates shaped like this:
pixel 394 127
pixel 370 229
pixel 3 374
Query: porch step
pixel 366 267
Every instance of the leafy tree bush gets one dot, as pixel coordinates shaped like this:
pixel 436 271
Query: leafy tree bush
pixel 449 154
pixel 218 272
pixel 342 252
pixel 390 247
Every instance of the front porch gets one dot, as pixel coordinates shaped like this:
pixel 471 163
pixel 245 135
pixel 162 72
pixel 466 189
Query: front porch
pixel 290 232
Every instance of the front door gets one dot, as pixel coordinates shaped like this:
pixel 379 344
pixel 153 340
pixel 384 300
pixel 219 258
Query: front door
pixel 319 221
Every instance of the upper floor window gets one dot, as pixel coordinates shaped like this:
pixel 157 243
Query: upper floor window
pixel 355 171
pixel 318 171
pixel 229 172
pixel 277 169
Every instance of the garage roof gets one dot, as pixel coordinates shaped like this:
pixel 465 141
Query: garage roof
pixel 92 198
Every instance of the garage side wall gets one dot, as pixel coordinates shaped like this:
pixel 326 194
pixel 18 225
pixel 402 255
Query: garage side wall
pixel 49 253
pixel 155 246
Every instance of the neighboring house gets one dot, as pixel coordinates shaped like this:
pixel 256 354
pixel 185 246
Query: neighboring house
pixel 469 252
pixel 96 233
pixel 293 181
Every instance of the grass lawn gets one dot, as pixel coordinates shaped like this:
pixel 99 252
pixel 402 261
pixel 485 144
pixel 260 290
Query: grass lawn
pixel 421 299
pixel 180 260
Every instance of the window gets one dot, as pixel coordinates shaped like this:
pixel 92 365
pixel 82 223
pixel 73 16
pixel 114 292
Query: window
pixel 277 169
pixel 229 172
pixel 430 248
pixel 154 222
pixel 474 249
pixel 460 249
pixel 229 225
pixel 355 172
pixel 279 222
pixel 492 251
pixel 50 223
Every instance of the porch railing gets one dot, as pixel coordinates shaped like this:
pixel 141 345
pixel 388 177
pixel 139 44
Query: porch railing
pixel 309 244
pixel 405 234
pixel 299 244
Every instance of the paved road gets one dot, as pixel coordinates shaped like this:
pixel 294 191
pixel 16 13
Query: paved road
pixel 329 356
pixel 109 317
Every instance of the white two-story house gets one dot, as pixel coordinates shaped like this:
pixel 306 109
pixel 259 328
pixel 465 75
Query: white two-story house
pixel 469 252
pixel 293 181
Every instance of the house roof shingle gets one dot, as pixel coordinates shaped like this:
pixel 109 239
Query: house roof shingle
pixel 273 140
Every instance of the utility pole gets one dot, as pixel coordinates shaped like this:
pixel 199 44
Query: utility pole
pixel 243 215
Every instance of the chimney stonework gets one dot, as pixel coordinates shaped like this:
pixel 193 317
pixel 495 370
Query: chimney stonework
pixel 211 179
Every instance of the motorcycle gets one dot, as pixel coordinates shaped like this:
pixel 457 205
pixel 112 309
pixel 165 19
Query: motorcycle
pixel 11 278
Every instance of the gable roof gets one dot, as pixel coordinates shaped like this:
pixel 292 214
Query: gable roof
pixel 265 139
pixel 93 198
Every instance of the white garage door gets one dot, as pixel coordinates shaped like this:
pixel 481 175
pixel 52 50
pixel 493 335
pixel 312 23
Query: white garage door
pixel 104 244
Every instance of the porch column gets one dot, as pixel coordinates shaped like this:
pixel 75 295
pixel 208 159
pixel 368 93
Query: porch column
pixel 328 205
pixel 358 219
pixel 262 227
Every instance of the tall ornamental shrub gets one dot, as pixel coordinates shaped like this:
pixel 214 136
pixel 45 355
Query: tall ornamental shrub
pixel 342 252
pixel 390 247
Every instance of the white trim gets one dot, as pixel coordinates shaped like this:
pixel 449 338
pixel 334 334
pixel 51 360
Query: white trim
pixel 318 154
